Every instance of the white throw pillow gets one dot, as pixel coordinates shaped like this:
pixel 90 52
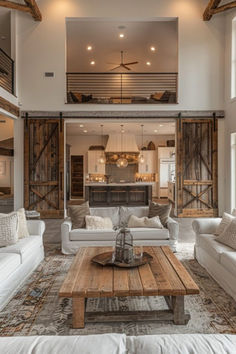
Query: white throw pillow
pixel 154 222
pixel 226 220
pixel 228 237
pixel 8 229
pixel 22 229
pixel 98 223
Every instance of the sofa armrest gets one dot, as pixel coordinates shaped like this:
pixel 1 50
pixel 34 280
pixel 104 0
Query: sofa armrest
pixel 36 227
pixel 173 227
pixel 205 225
pixel 66 227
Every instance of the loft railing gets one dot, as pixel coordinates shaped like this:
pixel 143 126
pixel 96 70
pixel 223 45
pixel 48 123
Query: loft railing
pixel 122 87
pixel 6 72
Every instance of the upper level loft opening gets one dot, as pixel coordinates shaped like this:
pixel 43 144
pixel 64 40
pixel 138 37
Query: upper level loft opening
pixel 6 61
pixel 122 61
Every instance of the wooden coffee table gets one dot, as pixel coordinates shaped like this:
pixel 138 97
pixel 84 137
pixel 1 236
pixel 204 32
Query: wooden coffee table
pixel 164 276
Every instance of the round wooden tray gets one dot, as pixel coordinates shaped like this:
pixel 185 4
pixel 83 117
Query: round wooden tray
pixel 105 259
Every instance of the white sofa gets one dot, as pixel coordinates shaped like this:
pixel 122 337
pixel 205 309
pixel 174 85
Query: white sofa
pixel 121 344
pixel 18 261
pixel 218 259
pixel 73 239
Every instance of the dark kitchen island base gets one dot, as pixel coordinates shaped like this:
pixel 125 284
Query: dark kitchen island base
pixel 107 195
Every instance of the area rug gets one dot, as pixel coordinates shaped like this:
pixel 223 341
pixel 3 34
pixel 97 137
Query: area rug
pixel 36 308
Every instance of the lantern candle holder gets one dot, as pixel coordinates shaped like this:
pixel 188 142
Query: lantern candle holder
pixel 124 250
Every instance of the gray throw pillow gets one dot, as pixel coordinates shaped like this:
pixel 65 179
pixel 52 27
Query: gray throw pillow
pixel 77 214
pixel 161 210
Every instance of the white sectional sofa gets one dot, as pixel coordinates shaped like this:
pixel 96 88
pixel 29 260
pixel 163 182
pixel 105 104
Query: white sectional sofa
pixel 218 259
pixel 18 261
pixel 121 344
pixel 73 239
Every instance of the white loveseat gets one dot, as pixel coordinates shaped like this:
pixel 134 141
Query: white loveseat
pixel 121 344
pixel 218 259
pixel 73 239
pixel 18 261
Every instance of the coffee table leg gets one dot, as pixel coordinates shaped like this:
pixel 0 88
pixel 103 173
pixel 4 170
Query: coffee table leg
pixel 179 316
pixel 78 307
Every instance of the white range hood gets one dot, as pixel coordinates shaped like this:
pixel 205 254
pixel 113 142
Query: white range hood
pixel 128 142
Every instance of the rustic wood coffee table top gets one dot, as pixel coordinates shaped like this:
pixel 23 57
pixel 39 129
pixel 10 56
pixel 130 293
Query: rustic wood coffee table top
pixel 165 275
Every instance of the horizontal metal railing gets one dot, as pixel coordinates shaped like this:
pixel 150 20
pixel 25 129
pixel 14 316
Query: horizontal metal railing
pixel 6 72
pixel 122 85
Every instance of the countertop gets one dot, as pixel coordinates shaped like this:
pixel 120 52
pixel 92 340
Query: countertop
pixel 92 184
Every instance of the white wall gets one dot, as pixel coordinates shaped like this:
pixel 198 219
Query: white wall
pixel 41 47
pixel 230 110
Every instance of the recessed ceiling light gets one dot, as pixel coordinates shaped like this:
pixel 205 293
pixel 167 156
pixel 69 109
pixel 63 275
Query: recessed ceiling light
pixel 92 62
pixel 121 35
pixel 81 125
pixel 85 131
pixel 155 131
pixel 122 130
pixel 148 63
pixel 160 125
pixel 89 47
pixel 152 48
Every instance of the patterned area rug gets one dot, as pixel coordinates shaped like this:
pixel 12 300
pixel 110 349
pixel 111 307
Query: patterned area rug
pixel 36 308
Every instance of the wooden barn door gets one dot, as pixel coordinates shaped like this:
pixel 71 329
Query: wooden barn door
pixel 197 168
pixel 44 167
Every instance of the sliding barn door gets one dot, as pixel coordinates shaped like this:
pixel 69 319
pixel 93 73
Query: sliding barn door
pixel 197 168
pixel 44 167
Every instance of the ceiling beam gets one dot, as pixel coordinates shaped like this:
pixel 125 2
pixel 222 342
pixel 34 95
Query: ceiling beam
pixel 34 9
pixel 222 8
pixel 30 7
pixel 211 6
pixel 14 6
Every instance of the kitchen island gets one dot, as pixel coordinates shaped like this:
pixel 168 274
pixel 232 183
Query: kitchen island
pixel 116 194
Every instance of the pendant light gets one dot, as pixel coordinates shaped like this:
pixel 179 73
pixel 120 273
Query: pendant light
pixel 102 159
pixel 141 157
pixel 122 162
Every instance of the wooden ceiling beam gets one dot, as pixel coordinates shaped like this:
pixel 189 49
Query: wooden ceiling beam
pixel 223 8
pixel 30 7
pixel 34 9
pixel 211 6
pixel 14 6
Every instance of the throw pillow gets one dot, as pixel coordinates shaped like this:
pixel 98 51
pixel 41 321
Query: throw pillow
pixel 22 228
pixel 8 229
pixel 98 223
pixel 77 214
pixel 161 210
pixel 154 222
pixel 228 236
pixel 226 220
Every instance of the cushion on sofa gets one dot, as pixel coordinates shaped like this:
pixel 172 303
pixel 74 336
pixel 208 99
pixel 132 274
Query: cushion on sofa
pixel 98 223
pixel 112 212
pixel 149 234
pixel 211 246
pixel 161 210
pixel 77 214
pixel 228 236
pixel 8 229
pixel 25 247
pixel 9 262
pixel 225 221
pixel 92 235
pixel 154 222
pixel 228 261
pixel 126 212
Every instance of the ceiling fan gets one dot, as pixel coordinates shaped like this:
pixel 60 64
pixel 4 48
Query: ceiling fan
pixel 122 64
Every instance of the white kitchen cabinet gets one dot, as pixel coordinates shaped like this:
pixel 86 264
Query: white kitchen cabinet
pixel 165 152
pixel 94 167
pixel 150 162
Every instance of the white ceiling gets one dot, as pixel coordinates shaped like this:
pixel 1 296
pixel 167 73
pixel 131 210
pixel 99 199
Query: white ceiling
pixel 74 129
pixel 139 36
